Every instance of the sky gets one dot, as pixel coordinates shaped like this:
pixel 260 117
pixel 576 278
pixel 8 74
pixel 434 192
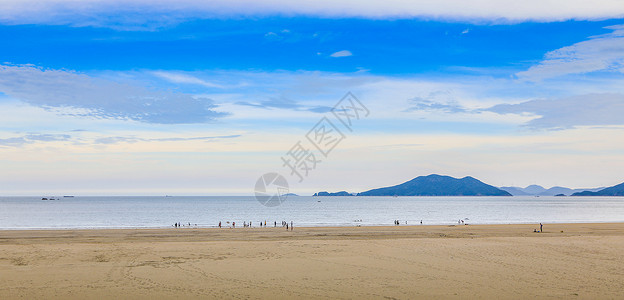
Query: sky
pixel 204 97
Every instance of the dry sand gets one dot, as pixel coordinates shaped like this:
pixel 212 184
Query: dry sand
pixel 585 261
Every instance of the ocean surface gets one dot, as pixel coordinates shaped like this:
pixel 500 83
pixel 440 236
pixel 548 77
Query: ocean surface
pixel 158 212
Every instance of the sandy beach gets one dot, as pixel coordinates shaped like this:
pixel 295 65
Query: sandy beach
pixel 567 261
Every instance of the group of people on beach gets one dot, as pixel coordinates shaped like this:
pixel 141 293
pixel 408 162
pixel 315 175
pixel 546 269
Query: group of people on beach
pixel 178 224
pixel 396 222
pixel 541 228
pixel 262 224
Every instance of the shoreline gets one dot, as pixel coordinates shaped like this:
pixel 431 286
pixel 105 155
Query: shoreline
pixel 279 233
pixel 304 226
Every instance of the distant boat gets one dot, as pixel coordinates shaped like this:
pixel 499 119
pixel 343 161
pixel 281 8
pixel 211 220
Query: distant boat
pixel 68 196
pixel 44 198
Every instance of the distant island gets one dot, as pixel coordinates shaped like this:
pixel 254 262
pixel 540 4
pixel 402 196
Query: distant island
pixel 616 190
pixel 431 185
pixel 537 190
pixel 341 193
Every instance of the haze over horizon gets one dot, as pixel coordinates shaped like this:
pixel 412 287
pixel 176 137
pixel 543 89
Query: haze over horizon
pixel 193 98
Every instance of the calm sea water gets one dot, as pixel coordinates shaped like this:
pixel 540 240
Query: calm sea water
pixel 140 212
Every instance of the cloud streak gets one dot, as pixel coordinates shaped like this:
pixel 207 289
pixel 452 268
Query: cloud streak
pixel 68 92
pixel 343 53
pixel 177 77
pixel 570 112
pixel 284 103
pixel 135 14
pixel 599 53
pixel 131 139
pixel 33 138
pixel 439 101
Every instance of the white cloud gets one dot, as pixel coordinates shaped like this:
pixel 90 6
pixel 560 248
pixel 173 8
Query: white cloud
pixel 343 53
pixel 565 113
pixel 134 139
pixel 599 53
pixel 177 77
pixel 32 138
pixel 142 13
pixel 82 95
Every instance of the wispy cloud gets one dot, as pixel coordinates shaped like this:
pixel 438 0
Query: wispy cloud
pixel 599 53
pixel 88 96
pixel 343 53
pixel 440 101
pixel 32 138
pixel 133 139
pixel 177 77
pixel 570 112
pixel 284 103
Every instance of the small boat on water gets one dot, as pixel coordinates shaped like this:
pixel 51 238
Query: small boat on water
pixel 68 196
pixel 44 198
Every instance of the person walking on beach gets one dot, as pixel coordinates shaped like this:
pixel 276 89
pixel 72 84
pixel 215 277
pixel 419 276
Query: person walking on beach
pixel 541 227
pixel 219 224
pixel 291 226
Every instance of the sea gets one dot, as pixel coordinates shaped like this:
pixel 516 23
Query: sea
pixel 207 211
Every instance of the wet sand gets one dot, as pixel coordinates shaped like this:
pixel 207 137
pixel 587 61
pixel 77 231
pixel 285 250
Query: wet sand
pixel 567 261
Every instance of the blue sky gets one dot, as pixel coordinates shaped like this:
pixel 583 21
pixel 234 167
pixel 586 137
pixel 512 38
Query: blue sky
pixel 385 47
pixel 193 97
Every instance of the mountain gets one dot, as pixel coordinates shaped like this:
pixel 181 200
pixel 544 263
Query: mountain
pixel 536 190
pixel 341 193
pixel 557 190
pixel 616 190
pixel 514 191
pixel 438 185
